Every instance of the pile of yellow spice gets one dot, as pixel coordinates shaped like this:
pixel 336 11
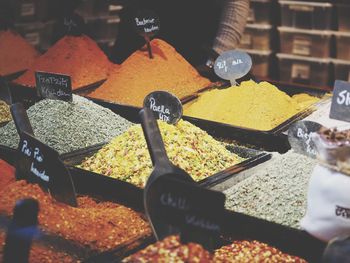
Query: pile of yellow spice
pixel 127 158
pixel 260 106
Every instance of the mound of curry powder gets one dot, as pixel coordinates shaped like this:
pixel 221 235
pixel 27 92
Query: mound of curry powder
pixel 260 106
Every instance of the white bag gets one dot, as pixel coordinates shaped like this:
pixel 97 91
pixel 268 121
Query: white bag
pixel 328 204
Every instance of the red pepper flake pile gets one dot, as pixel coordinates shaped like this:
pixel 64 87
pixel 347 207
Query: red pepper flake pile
pixel 171 250
pixel 252 251
pixel 16 54
pixel 7 174
pixel 94 226
pixel 139 75
pixel 78 57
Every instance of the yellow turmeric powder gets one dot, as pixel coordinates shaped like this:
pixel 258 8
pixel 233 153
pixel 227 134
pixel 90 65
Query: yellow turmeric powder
pixel 139 75
pixel 260 106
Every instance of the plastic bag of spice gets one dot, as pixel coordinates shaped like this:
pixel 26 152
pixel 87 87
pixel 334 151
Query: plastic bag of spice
pixel 328 202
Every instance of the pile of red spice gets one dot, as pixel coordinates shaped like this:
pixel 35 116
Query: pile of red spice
pixel 171 250
pixel 16 54
pixel 93 226
pixel 130 82
pixel 76 56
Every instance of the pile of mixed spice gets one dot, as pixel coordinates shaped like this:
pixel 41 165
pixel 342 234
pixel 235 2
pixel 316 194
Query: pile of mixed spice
pixel 275 191
pixel 139 75
pixel 92 226
pixel 127 158
pixel 260 106
pixel 79 57
pixel 5 113
pixel 16 54
pixel 67 126
pixel 171 250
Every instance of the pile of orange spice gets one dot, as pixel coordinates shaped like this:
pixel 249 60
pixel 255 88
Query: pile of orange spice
pixel 130 82
pixel 76 56
pixel 92 226
pixel 16 54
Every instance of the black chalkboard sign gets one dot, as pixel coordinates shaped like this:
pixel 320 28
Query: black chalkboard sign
pixel 340 108
pixel 299 137
pixel 166 106
pixel 182 207
pixel 147 25
pixel 21 231
pixel 39 163
pixel 173 203
pixel 5 93
pixel 53 86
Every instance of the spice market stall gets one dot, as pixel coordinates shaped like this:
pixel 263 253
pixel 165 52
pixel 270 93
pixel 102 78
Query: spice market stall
pixel 152 160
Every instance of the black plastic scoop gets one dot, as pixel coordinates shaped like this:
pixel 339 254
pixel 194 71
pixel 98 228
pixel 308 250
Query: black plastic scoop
pixel 162 168
pixel 173 202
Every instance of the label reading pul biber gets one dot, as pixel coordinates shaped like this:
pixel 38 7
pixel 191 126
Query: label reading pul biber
pixel 340 108
pixel 176 206
pixel 232 65
pixel 54 86
pixel 147 23
pixel 40 164
pixel 166 106
pixel 299 137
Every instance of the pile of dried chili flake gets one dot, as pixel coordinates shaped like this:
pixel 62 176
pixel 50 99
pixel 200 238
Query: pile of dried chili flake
pixel 171 249
pixel 92 226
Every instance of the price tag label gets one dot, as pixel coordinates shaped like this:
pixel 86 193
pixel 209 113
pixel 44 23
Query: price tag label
pixel 39 163
pixel 54 86
pixel 147 23
pixel 175 206
pixel 166 106
pixel 299 137
pixel 340 108
pixel 232 65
